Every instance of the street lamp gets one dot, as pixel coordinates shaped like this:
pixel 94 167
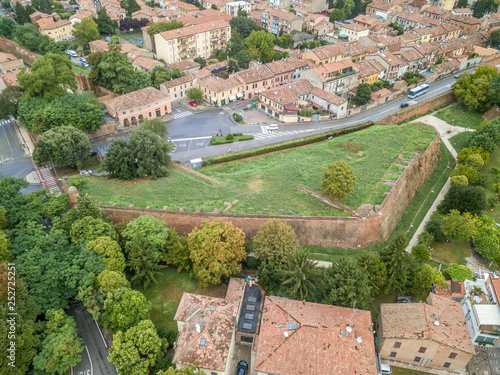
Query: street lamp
pixel 54 168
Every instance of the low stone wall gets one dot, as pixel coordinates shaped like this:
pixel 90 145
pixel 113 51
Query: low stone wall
pixel 17 50
pixel 419 109
pixel 374 225
pixel 105 129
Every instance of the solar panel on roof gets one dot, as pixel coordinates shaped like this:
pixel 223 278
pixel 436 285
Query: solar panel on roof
pixel 292 325
pixel 250 307
pixel 344 333
pixel 249 316
pixel 252 299
pixel 247 326
pixel 203 342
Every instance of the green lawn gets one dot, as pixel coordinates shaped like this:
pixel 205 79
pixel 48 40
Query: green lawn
pixel 461 140
pixel 267 184
pixel 166 295
pixel 451 252
pixel 403 371
pixel 460 115
pixel 490 192
pixel 79 69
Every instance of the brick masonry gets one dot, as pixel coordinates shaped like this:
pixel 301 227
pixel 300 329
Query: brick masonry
pixel 374 225
pixel 17 50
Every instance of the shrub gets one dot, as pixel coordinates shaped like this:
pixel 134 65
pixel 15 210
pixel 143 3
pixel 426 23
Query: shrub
pixel 252 263
pixel 461 180
pixel 465 170
pixel 421 252
pixel 77 181
pixel 474 161
pixel 274 241
pixel 338 180
pixel 485 142
pixel 237 117
pixel 492 202
pixel 306 112
pixel 229 137
pixel 456 272
pixel 466 152
pixel 245 137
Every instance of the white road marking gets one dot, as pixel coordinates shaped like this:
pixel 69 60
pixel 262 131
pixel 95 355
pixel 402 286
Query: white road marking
pixel 189 139
pixel 104 341
pixel 181 114
pixel 90 359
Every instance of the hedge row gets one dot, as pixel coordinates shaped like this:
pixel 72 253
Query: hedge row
pixel 236 138
pixel 286 144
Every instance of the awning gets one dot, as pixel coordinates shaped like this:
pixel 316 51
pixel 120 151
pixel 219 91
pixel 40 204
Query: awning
pixel 487 314
pixel 213 99
pixel 239 95
pixel 232 97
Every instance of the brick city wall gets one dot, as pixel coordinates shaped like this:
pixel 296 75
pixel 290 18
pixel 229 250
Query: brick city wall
pixel 418 109
pixel 374 225
pixel 19 51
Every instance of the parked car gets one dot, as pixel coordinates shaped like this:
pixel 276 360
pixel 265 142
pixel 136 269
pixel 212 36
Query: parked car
pixel 82 59
pixel 404 105
pixel 85 172
pixel 193 103
pixel 71 53
pixel 242 368
pixel 458 75
pixel 272 127
pixel 247 107
pixel 85 64
pixel 385 369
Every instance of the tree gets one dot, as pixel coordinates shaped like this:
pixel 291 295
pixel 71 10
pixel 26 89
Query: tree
pixel 217 249
pixel 243 57
pixel 491 129
pixel 346 283
pixel 51 76
pixel 338 180
pixel 299 274
pixel 306 112
pixel 363 93
pixel 151 229
pixel 201 61
pixel 194 94
pixel 177 252
pixel 274 241
pixel 22 15
pixel 115 70
pixel 244 26
pixel 86 31
pixel 151 152
pixel 421 252
pixel 459 273
pixel 63 146
pixel 120 162
pixel 487 238
pixel 90 229
pixel 156 126
pixel 422 282
pixel 458 226
pixel 347 9
pixel 396 262
pixel 494 89
pixel 26 340
pixel 9 98
pixel 493 39
pixel 461 180
pixel 44 6
pixel 104 23
pixel 124 308
pixel 130 6
pixel 159 27
pixel 7 27
pixel 86 207
pixel 285 41
pixel 260 44
pixel 111 280
pixel 483 141
pixel 464 199
pixel 270 277
pixel 61 348
pixel 135 351
pixel 473 88
pixel 462 4
pixel 482 7
pixel 110 252
pixel 140 80
pixel 376 272
pixel 336 15
pixel 466 152
pixel 143 262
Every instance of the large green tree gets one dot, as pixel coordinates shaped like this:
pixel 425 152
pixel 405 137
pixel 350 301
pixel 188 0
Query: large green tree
pixel 458 272
pixel 9 98
pixel 135 351
pixel 111 280
pixel 116 71
pixel 130 6
pixel 86 31
pixel 110 251
pixel 159 27
pixel 374 268
pixel 153 230
pixel 363 93
pixel 178 252
pixel 457 226
pixel 396 261
pixel 156 126
pixel 243 25
pixel 422 281
pixel 120 162
pixel 473 88
pixel 261 44
pixel 143 262
pixel 487 238
pixel 50 76
pixel 105 24
pixel 494 39
pixel 124 308
pixel 140 80
pixel 151 152
pixel 217 250
pixel 299 275
pixel 7 27
pixel 338 180
pixel 274 241
pixel 464 199
pixel 65 145
pixel 346 283
pixel 482 7
pixel 90 229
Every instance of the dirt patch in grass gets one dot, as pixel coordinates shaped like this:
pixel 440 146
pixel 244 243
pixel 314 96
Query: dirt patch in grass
pixel 351 147
pixel 256 184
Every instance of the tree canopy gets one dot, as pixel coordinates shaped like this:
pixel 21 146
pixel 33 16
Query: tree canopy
pixel 274 241
pixel 363 93
pixel 156 126
pixel 124 308
pixel 338 180
pixel 243 25
pixel 474 88
pixel 86 31
pixel 463 199
pixel 159 27
pixel 261 44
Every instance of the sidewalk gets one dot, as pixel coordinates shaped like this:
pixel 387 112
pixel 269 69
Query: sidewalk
pixel 22 135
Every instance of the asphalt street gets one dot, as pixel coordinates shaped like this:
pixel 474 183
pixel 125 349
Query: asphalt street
pixel 95 355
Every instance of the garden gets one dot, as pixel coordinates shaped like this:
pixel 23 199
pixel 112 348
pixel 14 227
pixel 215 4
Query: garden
pixel 267 184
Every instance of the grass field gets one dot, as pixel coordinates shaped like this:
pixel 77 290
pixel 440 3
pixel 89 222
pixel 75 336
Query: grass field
pixel 78 69
pixel 461 140
pixel 451 252
pixel 460 115
pixel 491 176
pixel 267 184
pixel 403 371
pixel 166 295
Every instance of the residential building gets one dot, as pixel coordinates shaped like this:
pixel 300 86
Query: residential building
pixel 185 8
pixel 435 12
pixel 146 64
pixel 353 31
pixel 358 52
pixel 467 25
pixel 370 71
pixel 219 5
pixel 366 21
pixel 327 54
pixel 314 19
pixel 336 78
pixel 453 32
pixel 279 4
pixel 177 88
pixel 444 4
pixel 98 46
pixel 384 9
pixel 287 70
pixel 322 99
pixel 233 7
pixel 413 20
pixel 395 67
pixel 219 92
pixel 467 12
pixel 79 16
pixel 60 30
pixel 191 42
pixel 185 66
pixel 311 6
pixel 409 39
pixel 413 59
pixel 129 109
pixel 256 79
pixel 276 20
pixel 34 17
pixel 281 103
pixel 9 63
pixel 431 334
pixel 300 37
pixel 322 29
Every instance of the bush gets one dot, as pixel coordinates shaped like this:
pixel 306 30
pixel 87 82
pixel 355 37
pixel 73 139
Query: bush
pixel 237 117
pixel 461 180
pixel 220 140
pixel 474 161
pixel 456 272
pixel 464 199
pixel 252 263
pixel 306 112
pixel 492 202
pixel 274 241
pixel 485 142
pixel 167 333
pixel 245 137
pixel 433 226
pixel 229 137
pixel 285 145
pixel 77 181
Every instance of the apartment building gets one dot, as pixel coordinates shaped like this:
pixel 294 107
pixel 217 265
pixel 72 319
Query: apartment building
pixel 353 31
pixel 256 79
pixel 234 7
pixel 276 20
pixel 467 25
pixel 80 16
pixel 176 88
pixel 327 54
pixel 414 20
pixel 370 71
pixel 60 30
pixel 287 70
pixel 310 6
pixel 395 67
pixel 336 78
pixel 219 92
pixel 9 63
pixel 191 42
pixel 146 64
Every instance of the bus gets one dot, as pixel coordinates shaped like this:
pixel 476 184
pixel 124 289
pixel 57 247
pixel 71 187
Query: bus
pixel 417 91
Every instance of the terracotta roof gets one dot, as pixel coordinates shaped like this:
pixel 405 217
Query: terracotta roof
pixel 255 74
pixel 334 99
pixel 496 286
pixel 390 58
pixel 302 87
pixel 466 19
pixel 462 10
pixel 314 344
pixel 187 7
pixel 380 93
pixel 409 36
pixel 184 65
pixel 434 10
pixel 356 49
pixel 216 318
pixel 192 30
pixel 418 18
pixel 408 56
pixel 323 70
pixel 136 99
pixel 286 65
pixel 366 68
pixel 451 330
pixel 281 95
pixel 355 27
pixel 101 44
pixel 146 62
pixel 366 19
pixel 10 79
pixel 218 84
pixel 5 57
pixel 452 289
pixel 214 13
pixel 82 15
pixel 330 50
pixel 235 288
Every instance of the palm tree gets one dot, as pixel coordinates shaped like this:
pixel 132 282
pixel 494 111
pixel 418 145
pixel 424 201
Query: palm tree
pixel 300 272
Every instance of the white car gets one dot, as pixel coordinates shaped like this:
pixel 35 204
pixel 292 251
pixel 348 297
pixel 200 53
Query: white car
pixel 272 127
pixel 84 172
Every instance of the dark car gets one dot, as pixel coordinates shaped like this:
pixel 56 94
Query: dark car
pixel 404 105
pixel 242 368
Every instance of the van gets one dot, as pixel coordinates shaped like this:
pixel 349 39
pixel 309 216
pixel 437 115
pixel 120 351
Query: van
pixel 272 127
pixel 385 369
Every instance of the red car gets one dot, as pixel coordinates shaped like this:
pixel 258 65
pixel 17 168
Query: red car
pixel 193 103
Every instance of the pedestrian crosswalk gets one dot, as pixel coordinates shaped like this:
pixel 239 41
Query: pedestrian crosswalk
pixel 4 122
pixel 182 113
pixel 267 133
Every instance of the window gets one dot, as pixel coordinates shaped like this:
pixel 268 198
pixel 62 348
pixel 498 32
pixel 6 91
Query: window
pixel 393 354
pixel 246 339
pixel 453 355
pixel 447 365
pixel 397 345
pixel 417 359
pixel 422 349
pixel 149 114
pixel 158 113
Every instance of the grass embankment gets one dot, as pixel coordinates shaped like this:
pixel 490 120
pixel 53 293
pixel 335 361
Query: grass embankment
pixel 491 176
pixel 461 140
pixel 267 184
pixel 460 115
pixel 78 69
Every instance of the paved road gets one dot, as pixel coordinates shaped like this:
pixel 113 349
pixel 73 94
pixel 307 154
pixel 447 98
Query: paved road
pixel 94 357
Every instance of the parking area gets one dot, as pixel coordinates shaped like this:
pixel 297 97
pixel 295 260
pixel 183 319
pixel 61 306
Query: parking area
pixel 241 353
pixel 188 144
